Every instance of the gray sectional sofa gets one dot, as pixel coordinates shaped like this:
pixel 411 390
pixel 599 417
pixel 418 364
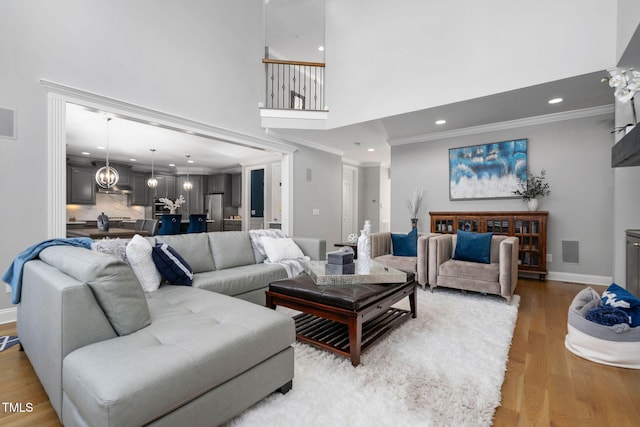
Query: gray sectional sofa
pixel 108 354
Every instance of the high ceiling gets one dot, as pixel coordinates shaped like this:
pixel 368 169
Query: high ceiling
pixel 366 143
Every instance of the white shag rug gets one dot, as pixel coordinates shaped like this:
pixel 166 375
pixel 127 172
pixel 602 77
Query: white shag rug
pixel 443 368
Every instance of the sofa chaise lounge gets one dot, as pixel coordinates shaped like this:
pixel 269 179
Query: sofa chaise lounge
pixel 109 354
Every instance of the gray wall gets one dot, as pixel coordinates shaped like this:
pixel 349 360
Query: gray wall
pixel 577 157
pixel 322 192
pixel 371 197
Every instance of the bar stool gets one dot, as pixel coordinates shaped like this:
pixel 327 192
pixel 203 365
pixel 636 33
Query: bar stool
pixel 170 224
pixel 197 223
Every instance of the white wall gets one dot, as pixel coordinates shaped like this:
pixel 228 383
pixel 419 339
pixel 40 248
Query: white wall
pixel 183 58
pixel 390 57
pixel 371 197
pixel 322 192
pixel 577 157
pixel 628 21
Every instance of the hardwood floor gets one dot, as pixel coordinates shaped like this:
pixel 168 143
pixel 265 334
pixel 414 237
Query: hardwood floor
pixel 545 385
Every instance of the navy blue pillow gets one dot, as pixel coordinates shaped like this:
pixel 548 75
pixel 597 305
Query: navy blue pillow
pixel 475 247
pixel 405 244
pixel 171 265
pixel 616 296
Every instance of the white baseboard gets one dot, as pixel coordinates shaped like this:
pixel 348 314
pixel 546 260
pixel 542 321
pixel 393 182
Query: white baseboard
pixel 586 279
pixel 8 315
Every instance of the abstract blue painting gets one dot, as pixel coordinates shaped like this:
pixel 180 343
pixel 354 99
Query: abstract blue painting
pixel 488 171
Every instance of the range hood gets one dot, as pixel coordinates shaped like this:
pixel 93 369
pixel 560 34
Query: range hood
pixel 116 189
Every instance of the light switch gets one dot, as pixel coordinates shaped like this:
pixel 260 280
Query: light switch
pixel 316 211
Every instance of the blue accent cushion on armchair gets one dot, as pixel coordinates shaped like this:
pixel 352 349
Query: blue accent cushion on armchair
pixel 474 247
pixel 405 244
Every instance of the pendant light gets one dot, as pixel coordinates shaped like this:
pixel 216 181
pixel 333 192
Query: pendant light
pixel 152 182
pixel 107 177
pixel 187 185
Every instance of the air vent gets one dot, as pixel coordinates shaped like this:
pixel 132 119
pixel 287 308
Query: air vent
pixel 571 251
pixel 7 123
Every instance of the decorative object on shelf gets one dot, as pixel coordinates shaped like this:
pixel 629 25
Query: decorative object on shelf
pixel 171 205
pixel 188 185
pixel 107 176
pixel 152 182
pixel 626 84
pixel 352 238
pixel 487 171
pixel 534 188
pixel 364 252
pixel 413 204
pixel 103 222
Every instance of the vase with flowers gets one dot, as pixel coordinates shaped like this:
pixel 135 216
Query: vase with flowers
pixel 171 205
pixel 534 188
pixel 626 84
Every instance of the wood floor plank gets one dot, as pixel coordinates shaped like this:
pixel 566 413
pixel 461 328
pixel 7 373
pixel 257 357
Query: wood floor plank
pixel 545 385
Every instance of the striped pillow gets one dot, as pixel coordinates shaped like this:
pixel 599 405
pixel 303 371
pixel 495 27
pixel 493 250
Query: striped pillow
pixel 139 256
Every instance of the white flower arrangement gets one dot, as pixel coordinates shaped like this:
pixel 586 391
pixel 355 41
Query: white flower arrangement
pixel 171 205
pixel 626 84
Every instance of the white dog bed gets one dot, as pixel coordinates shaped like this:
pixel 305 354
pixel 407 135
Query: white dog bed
pixel 617 345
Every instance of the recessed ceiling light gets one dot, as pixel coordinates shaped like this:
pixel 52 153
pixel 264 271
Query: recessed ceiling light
pixel 132 160
pixel 172 164
pixel 100 147
pixel 441 122
pixel 371 149
pixel 189 161
pixel 86 153
pixel 555 101
pixel 321 48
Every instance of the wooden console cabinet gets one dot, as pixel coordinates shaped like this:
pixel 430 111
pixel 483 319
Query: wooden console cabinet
pixel 530 227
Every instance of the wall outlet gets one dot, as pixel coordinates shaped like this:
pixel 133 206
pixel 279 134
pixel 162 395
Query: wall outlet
pixel 316 212
pixel 549 258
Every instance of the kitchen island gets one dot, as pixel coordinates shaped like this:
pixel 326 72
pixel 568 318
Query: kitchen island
pixel 113 233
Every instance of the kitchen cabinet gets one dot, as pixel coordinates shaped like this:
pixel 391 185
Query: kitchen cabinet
pixel 218 183
pixel 194 197
pixel 141 195
pixel 81 185
pixel 166 186
pixel 236 190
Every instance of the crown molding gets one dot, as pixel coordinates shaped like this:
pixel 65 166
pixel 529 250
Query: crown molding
pixel 511 124
pixel 305 143
pixel 169 121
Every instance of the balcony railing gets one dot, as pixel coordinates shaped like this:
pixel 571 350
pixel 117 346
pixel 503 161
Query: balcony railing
pixel 294 85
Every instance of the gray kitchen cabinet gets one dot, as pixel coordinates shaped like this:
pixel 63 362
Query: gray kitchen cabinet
pixel 141 195
pixel 218 183
pixel 81 185
pixel 166 186
pixel 194 197
pixel 236 190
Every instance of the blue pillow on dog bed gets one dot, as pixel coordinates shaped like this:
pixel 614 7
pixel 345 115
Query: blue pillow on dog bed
pixel 618 297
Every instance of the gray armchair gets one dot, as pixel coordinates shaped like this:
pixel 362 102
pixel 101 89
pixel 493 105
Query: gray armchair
pixel 382 252
pixel 500 277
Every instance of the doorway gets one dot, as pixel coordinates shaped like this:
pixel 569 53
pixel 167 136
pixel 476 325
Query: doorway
pixel 349 201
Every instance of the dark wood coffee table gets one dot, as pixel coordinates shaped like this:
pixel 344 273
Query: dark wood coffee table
pixel 344 319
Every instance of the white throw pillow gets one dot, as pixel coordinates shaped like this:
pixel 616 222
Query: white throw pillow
pixel 139 255
pixel 280 249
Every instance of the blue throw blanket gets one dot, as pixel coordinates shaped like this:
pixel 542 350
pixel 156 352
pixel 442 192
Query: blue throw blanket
pixel 13 275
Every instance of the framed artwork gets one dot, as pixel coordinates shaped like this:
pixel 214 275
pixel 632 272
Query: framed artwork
pixel 488 171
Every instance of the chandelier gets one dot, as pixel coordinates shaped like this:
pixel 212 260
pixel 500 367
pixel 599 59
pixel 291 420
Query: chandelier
pixel 152 182
pixel 187 185
pixel 107 176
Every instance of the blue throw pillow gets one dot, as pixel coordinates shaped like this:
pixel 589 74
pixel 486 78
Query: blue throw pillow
pixel 405 244
pixel 475 247
pixel 171 265
pixel 615 296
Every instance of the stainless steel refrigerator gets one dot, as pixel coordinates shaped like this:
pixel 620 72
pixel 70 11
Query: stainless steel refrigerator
pixel 214 208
